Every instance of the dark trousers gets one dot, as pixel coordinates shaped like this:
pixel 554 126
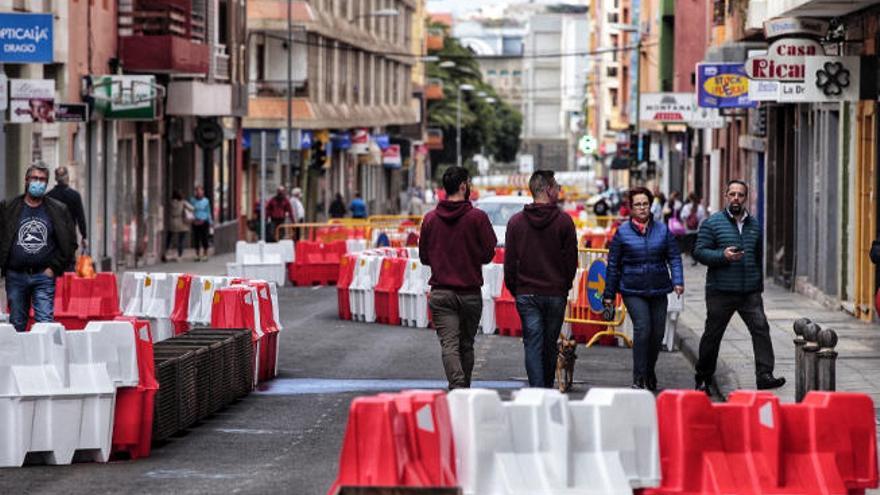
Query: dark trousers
pixel 719 309
pixel 200 236
pixel 456 317
pixel 542 318
pixel 648 315
pixel 180 237
pixel 271 229
pixel 23 290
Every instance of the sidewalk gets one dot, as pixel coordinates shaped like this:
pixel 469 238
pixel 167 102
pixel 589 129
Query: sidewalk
pixel 216 265
pixel 858 364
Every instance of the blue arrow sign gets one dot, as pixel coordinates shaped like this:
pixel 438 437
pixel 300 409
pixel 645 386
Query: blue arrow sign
pixel 596 285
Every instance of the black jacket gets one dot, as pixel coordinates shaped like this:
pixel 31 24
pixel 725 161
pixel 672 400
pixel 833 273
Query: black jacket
pixel 65 234
pixel 74 203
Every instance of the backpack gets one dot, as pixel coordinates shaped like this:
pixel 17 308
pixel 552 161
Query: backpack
pixel 692 222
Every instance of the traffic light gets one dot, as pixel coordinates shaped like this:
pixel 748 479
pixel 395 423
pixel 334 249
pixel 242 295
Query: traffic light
pixel 319 155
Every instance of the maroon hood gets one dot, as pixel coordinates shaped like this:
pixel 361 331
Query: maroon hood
pixel 541 215
pixel 451 211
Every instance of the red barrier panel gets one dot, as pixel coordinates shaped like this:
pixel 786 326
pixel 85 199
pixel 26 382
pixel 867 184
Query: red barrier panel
pixel 233 307
pixel 85 299
pixel 346 275
pixel 269 349
pixel 754 445
pixel 317 263
pixel 133 417
pixel 400 439
pixel 499 255
pixel 390 280
pixel 506 317
pixel 180 313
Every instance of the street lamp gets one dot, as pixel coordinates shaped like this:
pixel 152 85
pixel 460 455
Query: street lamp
pixel 461 87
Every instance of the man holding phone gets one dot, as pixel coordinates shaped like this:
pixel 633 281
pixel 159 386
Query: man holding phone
pixel 730 244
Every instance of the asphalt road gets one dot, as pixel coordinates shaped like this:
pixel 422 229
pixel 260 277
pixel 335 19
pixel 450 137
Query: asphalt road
pixel 285 438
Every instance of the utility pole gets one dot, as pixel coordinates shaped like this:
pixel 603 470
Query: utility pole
pixel 638 122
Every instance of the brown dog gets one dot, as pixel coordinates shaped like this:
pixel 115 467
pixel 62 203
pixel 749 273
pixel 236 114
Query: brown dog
pixel 565 359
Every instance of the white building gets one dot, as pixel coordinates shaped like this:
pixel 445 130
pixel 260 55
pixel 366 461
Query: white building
pixel 498 46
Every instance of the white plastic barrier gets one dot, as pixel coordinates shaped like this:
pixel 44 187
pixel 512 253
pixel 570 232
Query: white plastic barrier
pixel 413 295
pixel 261 260
pixel 131 294
pixel 355 245
pixel 539 443
pixel 254 252
pixel 493 277
pixel 201 298
pixel 158 294
pixel 57 390
pixel 361 293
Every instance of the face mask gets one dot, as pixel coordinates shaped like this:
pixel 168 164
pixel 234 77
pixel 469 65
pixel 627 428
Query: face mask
pixel 36 188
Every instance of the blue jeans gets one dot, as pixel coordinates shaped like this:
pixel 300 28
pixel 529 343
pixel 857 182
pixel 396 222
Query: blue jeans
pixel 21 290
pixel 542 318
pixel 648 315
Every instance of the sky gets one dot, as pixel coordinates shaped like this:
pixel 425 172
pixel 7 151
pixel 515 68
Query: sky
pixel 459 7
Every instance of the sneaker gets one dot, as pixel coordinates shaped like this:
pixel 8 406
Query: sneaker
pixel 651 383
pixel 638 384
pixel 768 381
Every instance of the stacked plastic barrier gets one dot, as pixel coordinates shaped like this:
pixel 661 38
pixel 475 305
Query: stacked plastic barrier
pixel 506 316
pixel 57 390
pixel 262 260
pixel 133 416
pixel 235 307
pixel 317 263
pixel 361 292
pixel 158 303
pixel 268 307
pixel 183 292
pixel 355 246
pixel 80 300
pixel 493 279
pixel 413 295
pixel 346 277
pixel 202 298
pixel 402 439
pixel 754 445
pixel 131 294
pixel 386 291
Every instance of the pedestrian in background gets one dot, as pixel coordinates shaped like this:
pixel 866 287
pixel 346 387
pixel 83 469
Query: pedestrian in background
pixel 299 211
pixel 73 201
pixel 416 203
pixel 692 215
pixel 540 262
pixel 657 206
pixel 642 254
pixel 456 240
pixel 337 207
pixel 730 244
pixel 358 207
pixel 278 211
pixel 201 224
pixel 37 243
pixel 181 216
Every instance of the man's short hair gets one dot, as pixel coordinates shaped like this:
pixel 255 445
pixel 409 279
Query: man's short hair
pixel 453 178
pixel 38 166
pixel 740 182
pixel 540 181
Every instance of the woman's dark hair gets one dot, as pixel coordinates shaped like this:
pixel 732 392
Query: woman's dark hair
pixel 640 190
pixel 177 195
pixel 693 198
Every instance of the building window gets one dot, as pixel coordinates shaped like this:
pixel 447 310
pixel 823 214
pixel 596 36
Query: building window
pixel 613 94
pixel 517 73
pixel 329 50
pixel 504 72
pixel 491 72
pixel 343 73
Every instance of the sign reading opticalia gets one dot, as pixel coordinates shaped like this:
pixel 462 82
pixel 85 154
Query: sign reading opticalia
pixel 784 60
pixel 833 79
pixel 722 85
pixel 787 26
pixel 764 90
pixel 126 97
pixel 26 38
pixel 31 100
pixel 707 118
pixel 667 107
pixel 391 157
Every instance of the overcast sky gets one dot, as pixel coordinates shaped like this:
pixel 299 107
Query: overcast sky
pixel 459 7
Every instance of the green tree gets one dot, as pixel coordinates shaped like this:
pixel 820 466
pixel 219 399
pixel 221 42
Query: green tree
pixel 489 128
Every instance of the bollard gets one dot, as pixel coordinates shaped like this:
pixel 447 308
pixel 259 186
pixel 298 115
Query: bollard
pixel 811 347
pixel 827 358
pixel 799 326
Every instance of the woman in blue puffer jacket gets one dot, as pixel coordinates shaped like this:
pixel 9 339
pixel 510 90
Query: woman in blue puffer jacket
pixel 640 259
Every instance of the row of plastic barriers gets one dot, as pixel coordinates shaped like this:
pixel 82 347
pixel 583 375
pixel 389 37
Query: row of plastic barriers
pixel 613 441
pixel 303 263
pixel 177 302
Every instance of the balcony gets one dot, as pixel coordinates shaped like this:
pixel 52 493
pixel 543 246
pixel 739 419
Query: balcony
pixel 434 89
pixel 434 39
pixel 162 36
pixel 434 139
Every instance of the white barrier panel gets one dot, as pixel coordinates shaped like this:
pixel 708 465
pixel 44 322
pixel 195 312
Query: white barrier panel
pixel 109 342
pixel 202 297
pixel 493 277
pixel 158 294
pixel 54 400
pixel 361 293
pixel 131 294
pixel 353 246
pixel 539 443
pixel 250 252
pixel 413 295
pixel 275 272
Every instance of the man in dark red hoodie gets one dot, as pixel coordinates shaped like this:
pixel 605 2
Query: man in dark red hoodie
pixel 540 262
pixel 456 241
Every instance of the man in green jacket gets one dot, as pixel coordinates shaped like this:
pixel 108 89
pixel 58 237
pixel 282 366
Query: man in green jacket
pixel 730 244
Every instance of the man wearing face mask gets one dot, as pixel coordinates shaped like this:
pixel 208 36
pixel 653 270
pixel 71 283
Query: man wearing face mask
pixel 730 244
pixel 37 242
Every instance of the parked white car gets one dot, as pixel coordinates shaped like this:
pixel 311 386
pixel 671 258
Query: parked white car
pixel 500 209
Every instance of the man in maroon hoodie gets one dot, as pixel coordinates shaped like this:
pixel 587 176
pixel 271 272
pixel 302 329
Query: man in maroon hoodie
pixel 456 241
pixel 540 262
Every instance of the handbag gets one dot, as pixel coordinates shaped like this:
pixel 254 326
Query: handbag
pixel 674 303
pixel 85 267
pixel 676 228
pixel 188 215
